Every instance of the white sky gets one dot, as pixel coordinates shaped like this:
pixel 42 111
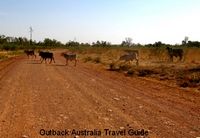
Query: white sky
pixel 145 21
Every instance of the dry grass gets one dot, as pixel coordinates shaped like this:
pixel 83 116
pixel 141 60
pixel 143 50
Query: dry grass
pixel 3 55
pixel 189 78
pixel 153 63
pixel 8 54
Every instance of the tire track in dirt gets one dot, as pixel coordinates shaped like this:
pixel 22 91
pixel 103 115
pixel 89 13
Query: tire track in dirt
pixel 38 96
pixel 176 112
pixel 153 106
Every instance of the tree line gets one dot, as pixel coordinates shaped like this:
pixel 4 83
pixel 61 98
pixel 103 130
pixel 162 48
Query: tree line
pixel 15 43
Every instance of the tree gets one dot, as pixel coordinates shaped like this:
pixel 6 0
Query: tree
pixel 101 44
pixel 158 44
pixel 3 39
pixel 193 44
pixel 127 42
pixel 185 41
pixel 72 44
pixel 47 42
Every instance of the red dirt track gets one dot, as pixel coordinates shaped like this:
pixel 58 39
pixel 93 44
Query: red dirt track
pixel 36 96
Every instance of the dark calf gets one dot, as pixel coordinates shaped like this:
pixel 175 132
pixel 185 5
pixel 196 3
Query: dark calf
pixel 175 52
pixel 45 56
pixel 30 53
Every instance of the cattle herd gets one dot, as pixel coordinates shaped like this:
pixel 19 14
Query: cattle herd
pixel 134 55
pixel 130 56
pixel 46 55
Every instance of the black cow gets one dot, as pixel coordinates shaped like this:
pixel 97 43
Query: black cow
pixel 30 53
pixel 69 56
pixel 45 56
pixel 175 52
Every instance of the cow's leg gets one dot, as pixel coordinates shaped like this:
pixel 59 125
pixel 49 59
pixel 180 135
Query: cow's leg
pixel 42 59
pixel 54 60
pixel 50 61
pixel 45 59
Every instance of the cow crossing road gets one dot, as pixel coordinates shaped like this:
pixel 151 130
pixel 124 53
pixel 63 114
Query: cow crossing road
pixel 35 97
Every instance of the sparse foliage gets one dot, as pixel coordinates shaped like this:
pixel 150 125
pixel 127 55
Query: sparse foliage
pixel 127 42
pixel 185 41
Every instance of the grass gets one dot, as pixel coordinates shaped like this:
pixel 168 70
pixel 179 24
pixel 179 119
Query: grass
pixel 189 78
pixel 2 57
pixel 87 59
pixel 153 63
pixel 7 54
pixel 92 59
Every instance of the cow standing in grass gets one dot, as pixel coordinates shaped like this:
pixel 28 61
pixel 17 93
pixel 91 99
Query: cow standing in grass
pixel 70 56
pixel 175 52
pixel 30 53
pixel 45 56
pixel 132 55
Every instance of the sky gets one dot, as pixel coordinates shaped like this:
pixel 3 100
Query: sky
pixel 145 21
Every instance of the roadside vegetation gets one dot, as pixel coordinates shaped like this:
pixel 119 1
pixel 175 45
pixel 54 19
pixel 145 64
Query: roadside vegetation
pixel 154 61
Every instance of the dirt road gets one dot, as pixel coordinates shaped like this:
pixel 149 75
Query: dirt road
pixel 35 97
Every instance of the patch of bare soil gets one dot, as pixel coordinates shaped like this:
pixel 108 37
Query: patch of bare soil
pixel 36 96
